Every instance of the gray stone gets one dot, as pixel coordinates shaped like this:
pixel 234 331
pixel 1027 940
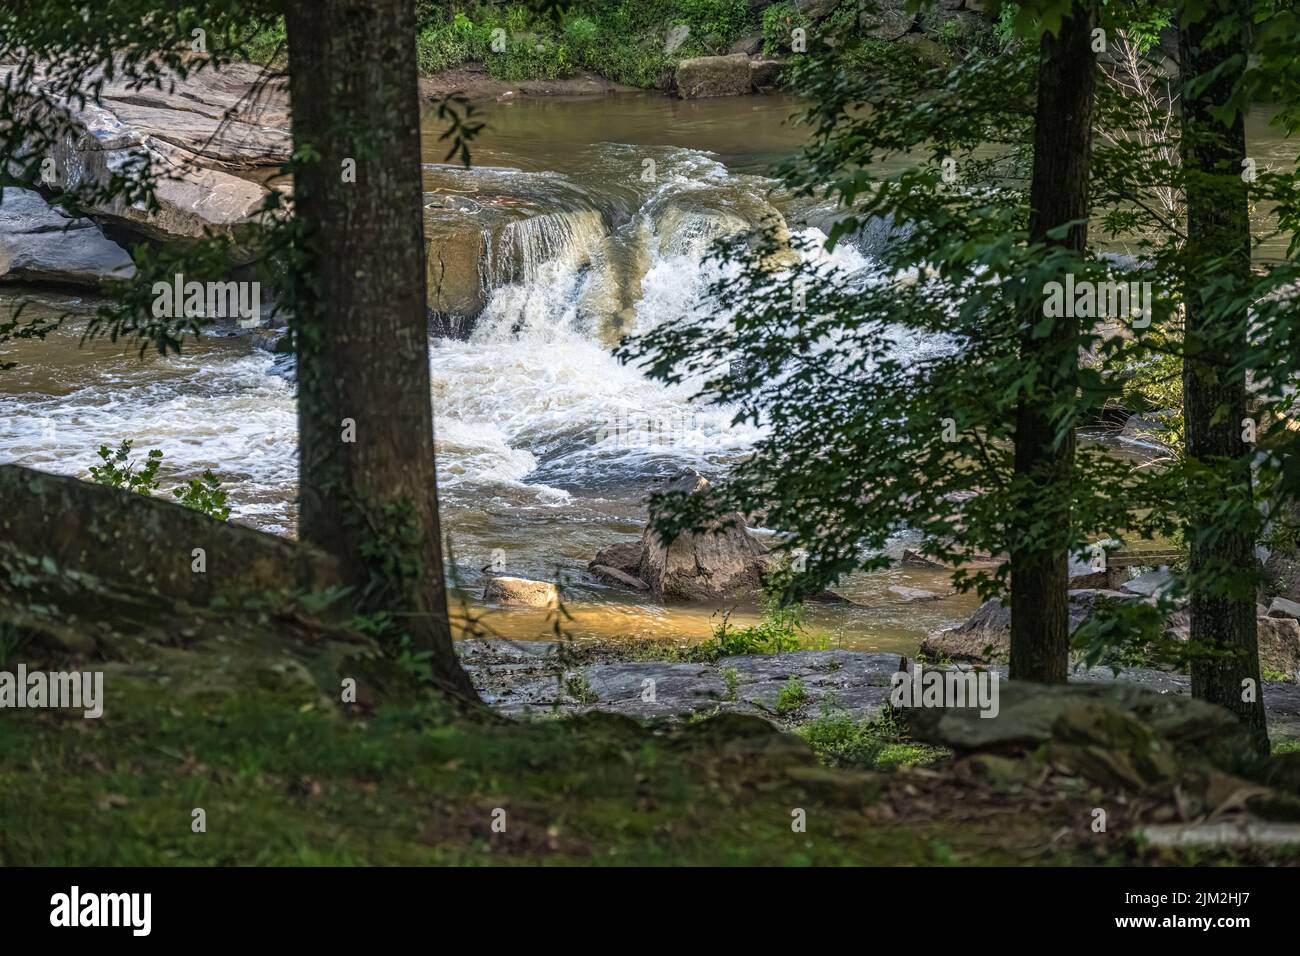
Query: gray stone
pixel 1152 584
pixel 912 595
pixel 608 575
pixel 751 44
pixel 520 678
pixel 765 74
pixel 708 76
pixel 1028 716
pixel 624 556
pixel 42 244
pixel 677 35
pixel 717 564
pixel 196 138
pixel 886 19
pixel 986 637
pixel 114 537
pixel 1284 607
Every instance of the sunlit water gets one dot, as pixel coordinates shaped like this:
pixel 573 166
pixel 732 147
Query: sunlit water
pixel 543 448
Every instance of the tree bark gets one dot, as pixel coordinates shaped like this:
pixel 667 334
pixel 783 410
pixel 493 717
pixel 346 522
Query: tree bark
pixel 1222 547
pixel 1058 193
pixel 368 491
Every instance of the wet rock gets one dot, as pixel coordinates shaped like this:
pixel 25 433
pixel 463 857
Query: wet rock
pixel 624 557
pixel 765 75
pixel 915 559
pixel 913 595
pixel 43 244
pixel 608 575
pixel 717 564
pixel 520 592
pixel 708 76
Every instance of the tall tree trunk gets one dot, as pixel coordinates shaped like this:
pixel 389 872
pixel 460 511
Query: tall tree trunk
pixel 368 486
pixel 1058 193
pixel 1222 547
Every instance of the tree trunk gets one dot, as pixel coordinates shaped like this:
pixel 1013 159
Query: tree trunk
pixel 1222 511
pixel 1058 193
pixel 368 490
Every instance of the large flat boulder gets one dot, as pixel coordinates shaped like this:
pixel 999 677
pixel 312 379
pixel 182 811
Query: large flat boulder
pixel 706 76
pixel 211 139
pixel 42 244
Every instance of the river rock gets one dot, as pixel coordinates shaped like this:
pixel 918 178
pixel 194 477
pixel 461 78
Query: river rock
pixel 707 76
pixel 913 595
pixel 1283 607
pixel 520 592
pixel 718 564
pixel 624 557
pixel 195 137
pixel 608 575
pixel 986 637
pixel 765 75
pixel 43 244
pixel 1152 584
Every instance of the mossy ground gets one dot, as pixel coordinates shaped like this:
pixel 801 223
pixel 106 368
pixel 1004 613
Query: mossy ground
pixel 240 713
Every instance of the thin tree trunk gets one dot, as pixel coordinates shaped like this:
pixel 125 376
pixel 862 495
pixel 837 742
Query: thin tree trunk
pixel 1058 193
pixel 368 488
pixel 1222 552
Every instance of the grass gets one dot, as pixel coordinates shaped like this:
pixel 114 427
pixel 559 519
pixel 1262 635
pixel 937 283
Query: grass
pixel 791 697
pixel 840 741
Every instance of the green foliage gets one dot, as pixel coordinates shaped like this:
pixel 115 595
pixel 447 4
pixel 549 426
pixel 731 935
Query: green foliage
pixel 578 687
pixel 840 741
pixel 731 677
pixel 791 697
pixel 441 46
pixel 204 494
pixel 778 22
pixel 714 22
pixel 119 470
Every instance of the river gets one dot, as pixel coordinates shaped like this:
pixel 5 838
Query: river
pixel 546 444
